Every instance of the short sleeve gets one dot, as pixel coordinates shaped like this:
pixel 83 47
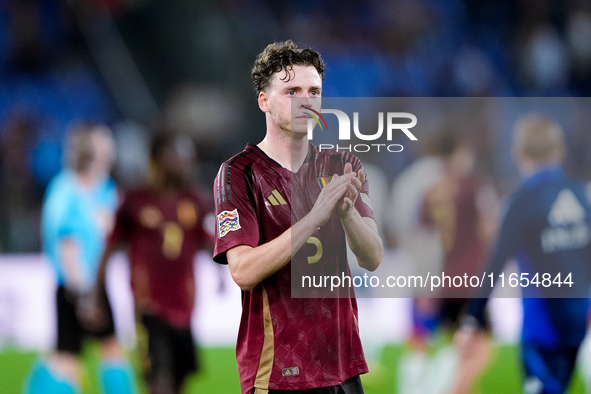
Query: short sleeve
pixel 66 219
pixel 236 220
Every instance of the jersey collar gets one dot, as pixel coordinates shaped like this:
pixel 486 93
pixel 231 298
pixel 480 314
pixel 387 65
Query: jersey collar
pixel 544 174
pixel 262 153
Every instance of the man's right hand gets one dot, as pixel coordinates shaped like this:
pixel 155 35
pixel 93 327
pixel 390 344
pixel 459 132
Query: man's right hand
pixel 90 309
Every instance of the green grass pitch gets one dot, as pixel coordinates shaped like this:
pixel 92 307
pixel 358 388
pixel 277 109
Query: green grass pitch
pixel 219 373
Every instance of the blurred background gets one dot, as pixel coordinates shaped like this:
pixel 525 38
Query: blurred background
pixel 186 63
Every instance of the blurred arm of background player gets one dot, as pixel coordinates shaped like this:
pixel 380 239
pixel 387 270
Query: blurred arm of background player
pixel 93 311
pixel 70 258
pixel 249 266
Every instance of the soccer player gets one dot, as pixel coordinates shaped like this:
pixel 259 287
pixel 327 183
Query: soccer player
pixel 77 215
pixel 420 245
pixel 462 208
pixel 285 344
pixel 547 228
pixel 162 225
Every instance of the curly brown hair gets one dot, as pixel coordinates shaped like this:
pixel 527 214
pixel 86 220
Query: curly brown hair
pixel 282 56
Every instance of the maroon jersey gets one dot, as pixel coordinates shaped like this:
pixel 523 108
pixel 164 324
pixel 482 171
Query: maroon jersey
pixel 452 206
pixel 287 343
pixel 163 233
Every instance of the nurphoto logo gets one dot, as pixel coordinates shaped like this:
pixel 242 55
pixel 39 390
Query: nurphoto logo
pixel 392 124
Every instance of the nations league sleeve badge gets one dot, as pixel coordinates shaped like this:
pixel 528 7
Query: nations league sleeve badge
pixel 228 221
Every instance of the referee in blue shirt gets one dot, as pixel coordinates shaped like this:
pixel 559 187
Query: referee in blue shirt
pixel 77 215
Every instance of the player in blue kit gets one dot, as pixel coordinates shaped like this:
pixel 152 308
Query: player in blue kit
pixel 547 228
pixel 77 215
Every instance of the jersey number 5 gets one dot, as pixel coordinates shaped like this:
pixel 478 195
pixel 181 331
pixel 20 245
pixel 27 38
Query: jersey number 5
pixel 316 242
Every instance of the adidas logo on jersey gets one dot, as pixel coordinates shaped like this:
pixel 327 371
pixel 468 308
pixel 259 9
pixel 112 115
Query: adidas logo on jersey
pixel 566 209
pixel 568 229
pixel 275 199
pixel 290 371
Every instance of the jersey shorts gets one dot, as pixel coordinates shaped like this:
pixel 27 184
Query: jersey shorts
pixel 70 331
pixel 349 386
pixel 443 313
pixel 166 349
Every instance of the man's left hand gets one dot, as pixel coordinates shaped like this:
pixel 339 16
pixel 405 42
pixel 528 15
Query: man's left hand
pixel 353 188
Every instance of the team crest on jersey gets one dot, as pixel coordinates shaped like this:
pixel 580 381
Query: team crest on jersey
pixel 228 221
pixel 290 371
pixel 324 180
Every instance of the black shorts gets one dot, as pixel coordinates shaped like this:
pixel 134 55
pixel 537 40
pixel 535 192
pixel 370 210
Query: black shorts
pixel 443 313
pixel 170 350
pixel 349 386
pixel 452 309
pixel 548 371
pixel 70 332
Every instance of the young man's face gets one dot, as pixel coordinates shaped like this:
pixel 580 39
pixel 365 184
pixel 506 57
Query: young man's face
pixel 177 160
pixel 304 86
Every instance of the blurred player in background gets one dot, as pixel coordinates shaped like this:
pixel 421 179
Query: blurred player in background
pixel 78 212
pixel 310 345
pixel 163 226
pixel 547 228
pixel 420 246
pixel 406 231
pixel 462 209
